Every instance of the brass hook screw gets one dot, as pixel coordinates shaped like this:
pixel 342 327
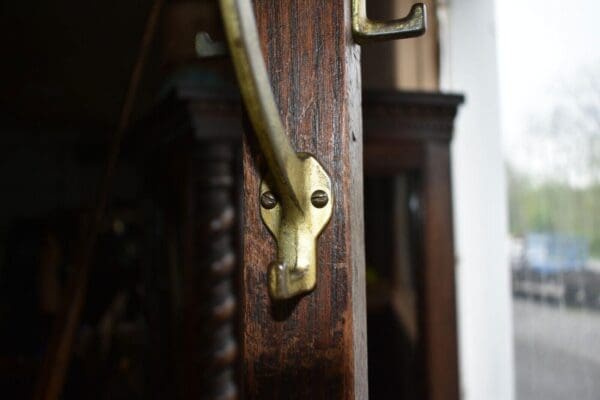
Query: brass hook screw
pixel 268 200
pixel 319 198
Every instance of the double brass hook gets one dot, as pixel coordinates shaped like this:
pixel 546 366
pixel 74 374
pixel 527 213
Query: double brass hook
pixel 296 195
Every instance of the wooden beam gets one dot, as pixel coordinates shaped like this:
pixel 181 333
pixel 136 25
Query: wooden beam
pixel 407 133
pixel 313 347
pixel 438 297
pixel 208 259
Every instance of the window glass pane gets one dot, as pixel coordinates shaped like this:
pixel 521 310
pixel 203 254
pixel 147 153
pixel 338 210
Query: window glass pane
pixel 550 87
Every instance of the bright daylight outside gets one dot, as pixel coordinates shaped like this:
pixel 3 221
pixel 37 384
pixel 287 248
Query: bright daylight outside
pixel 550 100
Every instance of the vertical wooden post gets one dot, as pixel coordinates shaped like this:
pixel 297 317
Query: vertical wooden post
pixel 207 226
pixel 199 202
pixel 439 304
pixel 313 347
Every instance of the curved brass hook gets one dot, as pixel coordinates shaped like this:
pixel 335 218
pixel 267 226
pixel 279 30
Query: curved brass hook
pixel 244 46
pixel 292 211
pixel 365 30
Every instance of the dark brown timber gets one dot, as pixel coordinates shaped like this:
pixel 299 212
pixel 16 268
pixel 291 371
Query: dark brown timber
pixel 208 261
pixel 438 296
pixel 411 133
pixel 313 347
pixel 202 131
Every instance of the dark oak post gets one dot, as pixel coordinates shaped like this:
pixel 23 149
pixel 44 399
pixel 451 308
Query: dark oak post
pixel 439 303
pixel 198 132
pixel 408 133
pixel 313 347
pixel 208 259
pixel 205 135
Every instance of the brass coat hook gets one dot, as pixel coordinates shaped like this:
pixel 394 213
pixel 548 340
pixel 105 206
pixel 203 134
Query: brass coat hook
pixel 296 197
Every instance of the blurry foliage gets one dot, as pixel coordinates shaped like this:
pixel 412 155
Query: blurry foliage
pixel 565 140
pixel 554 206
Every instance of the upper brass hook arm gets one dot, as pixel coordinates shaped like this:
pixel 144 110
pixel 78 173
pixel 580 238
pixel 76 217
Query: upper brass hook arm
pixel 244 46
pixel 296 194
pixel 365 30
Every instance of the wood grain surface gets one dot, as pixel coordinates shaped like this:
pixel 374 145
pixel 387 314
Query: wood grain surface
pixel 438 311
pixel 208 257
pixel 313 347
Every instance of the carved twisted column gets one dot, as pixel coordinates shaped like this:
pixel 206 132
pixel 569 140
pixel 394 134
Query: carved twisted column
pixel 209 260
pixel 201 155
pixel 194 140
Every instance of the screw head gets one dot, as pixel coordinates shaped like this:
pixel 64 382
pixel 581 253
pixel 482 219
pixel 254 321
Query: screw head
pixel 319 198
pixel 268 200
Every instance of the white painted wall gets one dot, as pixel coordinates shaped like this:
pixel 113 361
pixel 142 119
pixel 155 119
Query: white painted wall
pixel 469 66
